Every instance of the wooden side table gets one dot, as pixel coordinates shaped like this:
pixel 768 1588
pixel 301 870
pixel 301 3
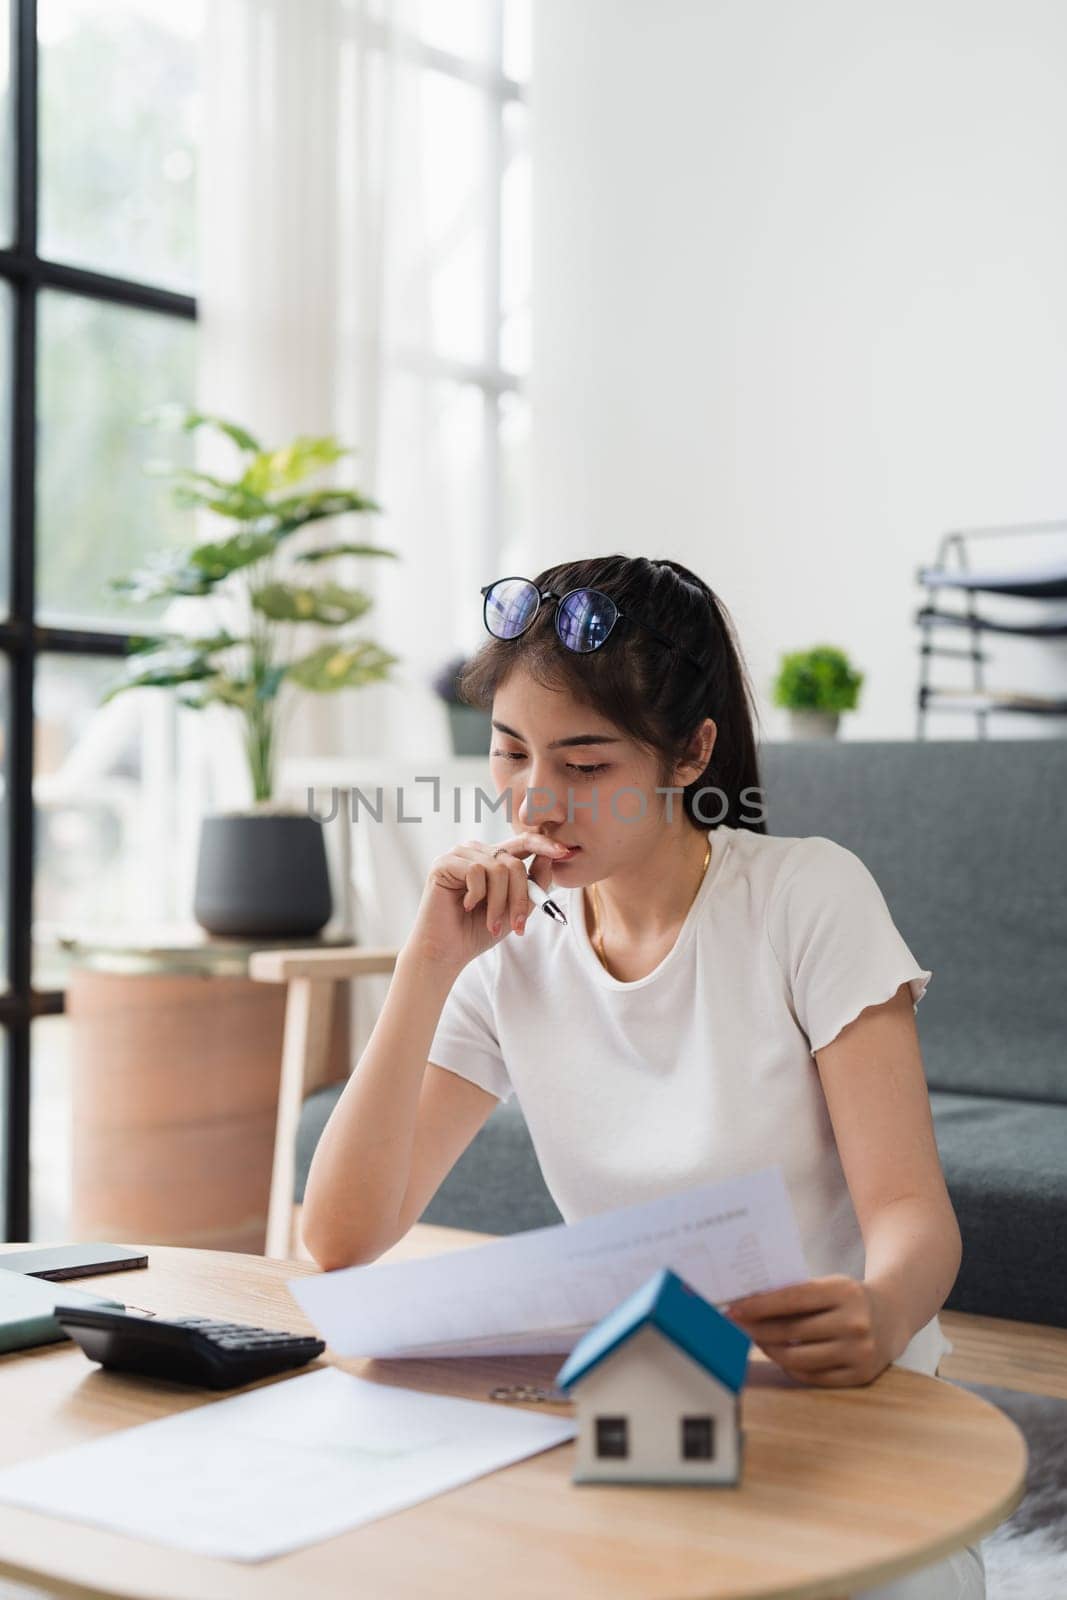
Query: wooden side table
pixel 176 1059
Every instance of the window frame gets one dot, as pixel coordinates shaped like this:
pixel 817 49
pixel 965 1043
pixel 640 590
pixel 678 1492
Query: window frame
pixel 22 637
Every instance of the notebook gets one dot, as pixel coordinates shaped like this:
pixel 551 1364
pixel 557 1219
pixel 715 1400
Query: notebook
pixel 26 1306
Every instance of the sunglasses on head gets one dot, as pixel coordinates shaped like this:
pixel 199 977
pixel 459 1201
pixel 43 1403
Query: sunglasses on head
pixel 584 617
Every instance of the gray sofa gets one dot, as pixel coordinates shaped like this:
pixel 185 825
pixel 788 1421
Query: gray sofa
pixel 967 842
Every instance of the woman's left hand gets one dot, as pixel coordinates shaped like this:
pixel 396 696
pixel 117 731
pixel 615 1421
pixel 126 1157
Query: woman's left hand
pixel 829 1332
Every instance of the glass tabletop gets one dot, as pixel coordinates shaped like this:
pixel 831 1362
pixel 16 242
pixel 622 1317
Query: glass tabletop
pixel 174 948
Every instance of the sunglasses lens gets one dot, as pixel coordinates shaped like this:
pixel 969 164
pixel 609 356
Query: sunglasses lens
pixel 509 606
pixel 585 618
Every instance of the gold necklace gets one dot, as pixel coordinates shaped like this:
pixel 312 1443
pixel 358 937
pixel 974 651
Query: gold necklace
pixel 596 938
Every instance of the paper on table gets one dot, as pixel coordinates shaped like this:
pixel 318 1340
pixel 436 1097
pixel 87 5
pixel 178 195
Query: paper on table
pixel 538 1292
pixel 270 1470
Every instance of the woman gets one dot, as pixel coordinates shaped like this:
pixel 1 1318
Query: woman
pixel 720 1000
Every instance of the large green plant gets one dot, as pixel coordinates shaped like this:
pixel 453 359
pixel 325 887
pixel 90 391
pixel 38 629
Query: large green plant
pixel 245 665
pixel 820 679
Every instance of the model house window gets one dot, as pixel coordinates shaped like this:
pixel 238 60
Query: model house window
pixel 698 1438
pixel 611 1436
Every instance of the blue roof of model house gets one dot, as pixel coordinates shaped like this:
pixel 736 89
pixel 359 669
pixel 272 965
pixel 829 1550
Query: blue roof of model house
pixel 680 1313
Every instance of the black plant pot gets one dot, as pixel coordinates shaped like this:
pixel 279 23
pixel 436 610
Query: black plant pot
pixel 262 875
pixel 472 730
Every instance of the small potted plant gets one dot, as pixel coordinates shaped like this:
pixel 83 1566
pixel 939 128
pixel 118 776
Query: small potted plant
pixel 816 685
pixel 261 871
pixel 470 726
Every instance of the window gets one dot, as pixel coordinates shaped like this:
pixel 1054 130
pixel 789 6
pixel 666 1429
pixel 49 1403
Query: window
pixel 455 428
pixel 612 1436
pixel 698 1438
pixel 99 116
pixel 98 129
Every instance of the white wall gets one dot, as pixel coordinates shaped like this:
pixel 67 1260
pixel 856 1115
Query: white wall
pixel 800 304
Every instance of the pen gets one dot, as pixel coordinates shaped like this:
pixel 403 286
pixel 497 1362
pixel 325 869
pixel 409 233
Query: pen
pixel 541 898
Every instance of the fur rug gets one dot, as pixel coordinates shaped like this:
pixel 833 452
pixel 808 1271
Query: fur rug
pixel 1026 1557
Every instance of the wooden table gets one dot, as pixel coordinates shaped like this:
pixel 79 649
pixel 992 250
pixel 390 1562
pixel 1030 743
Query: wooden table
pixel 842 1488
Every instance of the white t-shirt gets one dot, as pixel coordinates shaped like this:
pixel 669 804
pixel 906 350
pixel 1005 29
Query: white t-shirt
pixel 703 1069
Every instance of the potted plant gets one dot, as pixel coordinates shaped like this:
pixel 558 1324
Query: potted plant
pixel 470 726
pixel 260 871
pixel 816 685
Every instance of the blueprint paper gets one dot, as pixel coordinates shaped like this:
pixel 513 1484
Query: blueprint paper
pixel 270 1470
pixel 538 1292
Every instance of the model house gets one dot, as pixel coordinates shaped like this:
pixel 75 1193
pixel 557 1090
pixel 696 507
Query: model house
pixel 658 1390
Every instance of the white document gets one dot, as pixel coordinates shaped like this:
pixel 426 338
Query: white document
pixel 267 1471
pixel 538 1292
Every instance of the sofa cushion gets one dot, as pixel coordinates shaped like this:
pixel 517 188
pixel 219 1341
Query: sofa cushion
pixel 965 839
pixel 495 1187
pixel 1005 1164
pixel 314 1115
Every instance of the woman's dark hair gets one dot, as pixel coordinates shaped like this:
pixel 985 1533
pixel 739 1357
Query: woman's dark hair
pixel 640 684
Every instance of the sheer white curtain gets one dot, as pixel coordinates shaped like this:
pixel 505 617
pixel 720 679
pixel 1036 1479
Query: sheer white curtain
pixel 345 203
pixel 364 271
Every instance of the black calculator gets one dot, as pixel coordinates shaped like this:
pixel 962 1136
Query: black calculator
pixel 216 1355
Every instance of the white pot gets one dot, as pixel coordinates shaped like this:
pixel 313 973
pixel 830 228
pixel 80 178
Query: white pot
pixel 814 724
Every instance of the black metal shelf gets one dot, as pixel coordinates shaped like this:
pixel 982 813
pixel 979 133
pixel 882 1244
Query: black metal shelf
pixel 1034 582
pixel 993 700
pixel 929 616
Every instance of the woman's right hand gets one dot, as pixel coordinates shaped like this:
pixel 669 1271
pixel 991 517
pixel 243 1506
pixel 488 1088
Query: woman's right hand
pixel 469 892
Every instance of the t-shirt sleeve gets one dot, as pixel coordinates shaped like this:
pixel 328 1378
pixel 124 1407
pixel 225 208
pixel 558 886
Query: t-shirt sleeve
pixel 835 939
pixel 466 1038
